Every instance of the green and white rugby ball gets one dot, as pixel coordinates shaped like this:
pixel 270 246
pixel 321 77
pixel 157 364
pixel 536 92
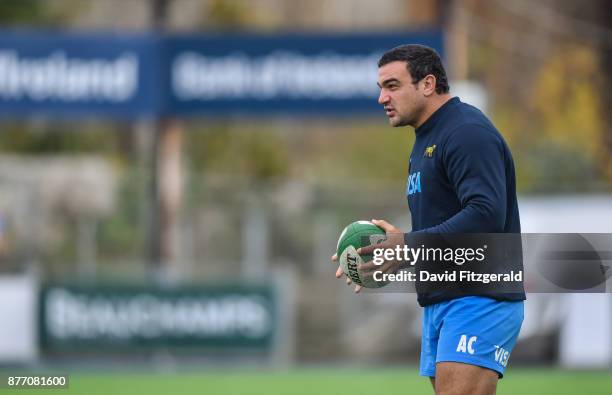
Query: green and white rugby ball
pixel 356 235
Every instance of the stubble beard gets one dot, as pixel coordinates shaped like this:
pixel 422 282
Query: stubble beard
pixel 412 118
pixel 401 121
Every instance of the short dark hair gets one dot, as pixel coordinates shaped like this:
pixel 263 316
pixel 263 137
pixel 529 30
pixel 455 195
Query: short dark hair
pixel 421 61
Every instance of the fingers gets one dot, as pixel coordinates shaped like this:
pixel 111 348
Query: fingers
pixel 369 250
pixel 392 268
pixel 368 266
pixel 387 227
pixel 339 272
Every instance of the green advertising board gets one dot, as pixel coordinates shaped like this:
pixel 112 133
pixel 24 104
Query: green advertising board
pixel 111 318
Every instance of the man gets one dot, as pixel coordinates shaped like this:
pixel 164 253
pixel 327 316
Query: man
pixel 461 180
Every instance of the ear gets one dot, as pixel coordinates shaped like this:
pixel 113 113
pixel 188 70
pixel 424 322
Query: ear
pixel 429 85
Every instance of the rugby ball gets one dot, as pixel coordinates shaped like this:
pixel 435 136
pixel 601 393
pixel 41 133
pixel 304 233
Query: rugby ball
pixel 355 235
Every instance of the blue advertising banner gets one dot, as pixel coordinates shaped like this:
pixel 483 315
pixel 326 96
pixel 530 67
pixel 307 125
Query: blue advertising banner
pixel 324 74
pixel 132 76
pixel 78 75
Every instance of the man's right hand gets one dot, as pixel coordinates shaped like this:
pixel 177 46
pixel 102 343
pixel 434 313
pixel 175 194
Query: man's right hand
pixel 340 273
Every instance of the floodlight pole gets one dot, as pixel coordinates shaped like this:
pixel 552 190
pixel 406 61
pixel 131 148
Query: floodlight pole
pixel 166 180
pixel 452 20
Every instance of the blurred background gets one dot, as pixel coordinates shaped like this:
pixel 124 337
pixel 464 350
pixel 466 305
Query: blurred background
pixel 174 175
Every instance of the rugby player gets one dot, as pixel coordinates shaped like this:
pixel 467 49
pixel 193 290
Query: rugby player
pixel 461 180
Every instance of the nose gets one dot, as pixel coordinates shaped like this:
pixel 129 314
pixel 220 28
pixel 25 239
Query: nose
pixel 383 98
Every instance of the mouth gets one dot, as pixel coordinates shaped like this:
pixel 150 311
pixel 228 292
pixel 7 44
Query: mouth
pixel 390 111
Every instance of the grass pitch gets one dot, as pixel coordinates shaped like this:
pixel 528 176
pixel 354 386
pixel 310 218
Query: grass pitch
pixel 331 381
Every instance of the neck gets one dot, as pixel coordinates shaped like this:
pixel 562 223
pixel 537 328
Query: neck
pixel 432 106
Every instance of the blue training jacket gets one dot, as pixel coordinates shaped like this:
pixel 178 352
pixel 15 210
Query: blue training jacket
pixel 461 178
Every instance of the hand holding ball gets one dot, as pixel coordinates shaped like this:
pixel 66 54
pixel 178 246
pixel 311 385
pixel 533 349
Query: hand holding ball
pixel 356 235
